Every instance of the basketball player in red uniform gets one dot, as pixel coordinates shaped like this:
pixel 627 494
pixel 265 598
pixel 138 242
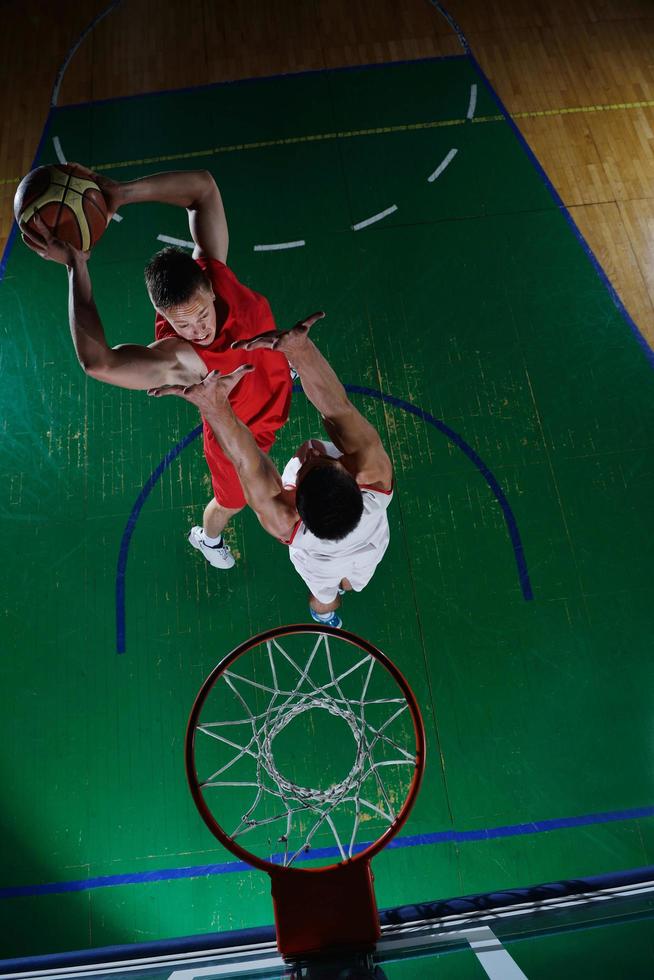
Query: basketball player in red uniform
pixel 201 310
pixel 330 503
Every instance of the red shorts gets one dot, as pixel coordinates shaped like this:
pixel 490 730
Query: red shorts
pixel 226 485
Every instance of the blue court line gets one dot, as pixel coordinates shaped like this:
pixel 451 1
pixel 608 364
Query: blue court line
pixel 236 82
pixel 459 442
pixel 414 840
pixel 170 456
pixel 14 227
pixel 399 915
pixel 533 159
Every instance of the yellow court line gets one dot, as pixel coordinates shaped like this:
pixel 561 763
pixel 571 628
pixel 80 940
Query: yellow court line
pixel 349 134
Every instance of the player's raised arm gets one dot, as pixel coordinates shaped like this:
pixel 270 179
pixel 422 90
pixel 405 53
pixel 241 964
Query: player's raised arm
pixel 195 190
pixel 349 430
pixel 128 365
pixel 259 478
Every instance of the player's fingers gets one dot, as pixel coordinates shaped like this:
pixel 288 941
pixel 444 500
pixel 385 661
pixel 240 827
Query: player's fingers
pixel 43 230
pixel 167 390
pixel 234 375
pixel 255 343
pixel 31 237
pixel 33 246
pixel 309 321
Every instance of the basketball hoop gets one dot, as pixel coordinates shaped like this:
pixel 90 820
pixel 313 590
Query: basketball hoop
pixel 276 799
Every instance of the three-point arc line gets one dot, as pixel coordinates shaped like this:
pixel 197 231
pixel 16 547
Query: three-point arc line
pixel 167 240
pixel 454 437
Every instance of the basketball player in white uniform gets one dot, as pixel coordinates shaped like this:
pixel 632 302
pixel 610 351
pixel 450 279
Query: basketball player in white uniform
pixel 329 506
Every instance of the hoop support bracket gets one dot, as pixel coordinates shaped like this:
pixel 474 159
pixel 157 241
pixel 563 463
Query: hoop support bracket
pixel 327 909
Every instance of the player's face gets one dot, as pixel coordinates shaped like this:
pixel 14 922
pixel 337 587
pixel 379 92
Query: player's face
pixel 194 320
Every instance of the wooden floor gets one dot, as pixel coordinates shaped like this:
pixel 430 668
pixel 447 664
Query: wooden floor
pixel 574 75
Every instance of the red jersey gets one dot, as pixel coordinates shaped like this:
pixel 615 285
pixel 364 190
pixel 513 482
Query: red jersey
pixel 261 399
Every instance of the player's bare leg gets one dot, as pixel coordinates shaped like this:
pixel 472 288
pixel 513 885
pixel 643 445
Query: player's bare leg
pixel 215 518
pixel 209 540
pixel 325 612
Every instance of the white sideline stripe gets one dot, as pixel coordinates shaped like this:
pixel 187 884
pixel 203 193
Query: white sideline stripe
pixel 393 937
pixel 408 930
pixel 279 245
pixel 441 166
pixel 229 969
pixel 472 105
pixel 375 217
pixel 61 157
pixel 175 241
pixel 237 956
pixel 56 142
pixel 495 961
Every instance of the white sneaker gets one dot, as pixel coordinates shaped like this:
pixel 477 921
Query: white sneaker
pixel 219 556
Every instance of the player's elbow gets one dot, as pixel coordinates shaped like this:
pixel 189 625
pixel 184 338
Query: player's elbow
pixel 206 189
pixel 95 365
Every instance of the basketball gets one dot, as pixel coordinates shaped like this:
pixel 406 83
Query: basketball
pixel 70 203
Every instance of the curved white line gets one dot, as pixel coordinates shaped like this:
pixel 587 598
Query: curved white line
pixel 463 41
pixel 56 142
pixel 175 241
pixel 279 245
pixel 87 30
pixel 375 217
pixel 442 165
pixel 472 105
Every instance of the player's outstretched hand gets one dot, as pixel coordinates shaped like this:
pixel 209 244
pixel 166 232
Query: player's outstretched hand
pixel 40 239
pixel 212 392
pixel 287 342
pixel 112 190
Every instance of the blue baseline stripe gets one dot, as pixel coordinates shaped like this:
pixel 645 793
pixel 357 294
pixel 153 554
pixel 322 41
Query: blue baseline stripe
pixel 649 353
pixel 237 82
pixel 170 456
pixel 514 534
pixel 415 840
pixel 14 228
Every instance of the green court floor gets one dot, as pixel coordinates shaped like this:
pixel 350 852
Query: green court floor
pixel 516 594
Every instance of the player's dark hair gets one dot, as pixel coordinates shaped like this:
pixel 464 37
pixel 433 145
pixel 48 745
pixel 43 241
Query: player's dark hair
pixel 329 502
pixel 172 277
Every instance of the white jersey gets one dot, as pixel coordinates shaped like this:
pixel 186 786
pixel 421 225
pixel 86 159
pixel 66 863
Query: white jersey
pixel 323 564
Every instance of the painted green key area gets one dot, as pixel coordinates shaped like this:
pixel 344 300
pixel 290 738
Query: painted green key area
pixel 472 302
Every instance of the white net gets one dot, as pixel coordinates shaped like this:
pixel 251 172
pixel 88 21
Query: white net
pixel 305 749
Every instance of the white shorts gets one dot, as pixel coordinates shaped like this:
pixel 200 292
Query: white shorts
pixel 323 578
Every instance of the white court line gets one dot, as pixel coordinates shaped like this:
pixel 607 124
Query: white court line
pixel 175 241
pixel 495 961
pixel 493 958
pixel 279 245
pixel 61 157
pixel 87 30
pixel 375 217
pixel 409 929
pixel 238 956
pixel 472 105
pixel 442 165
